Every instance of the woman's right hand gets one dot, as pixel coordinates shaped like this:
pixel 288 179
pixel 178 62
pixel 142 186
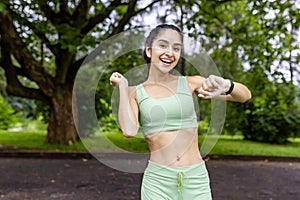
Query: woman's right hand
pixel 117 79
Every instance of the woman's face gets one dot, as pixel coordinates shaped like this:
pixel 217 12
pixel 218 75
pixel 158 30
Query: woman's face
pixel 165 51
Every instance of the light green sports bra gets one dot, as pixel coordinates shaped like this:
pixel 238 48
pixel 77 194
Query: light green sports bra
pixel 165 114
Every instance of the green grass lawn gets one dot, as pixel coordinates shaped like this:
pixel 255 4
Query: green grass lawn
pixel 230 145
pixel 33 141
pixel 235 145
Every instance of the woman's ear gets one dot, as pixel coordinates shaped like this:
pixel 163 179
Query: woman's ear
pixel 148 52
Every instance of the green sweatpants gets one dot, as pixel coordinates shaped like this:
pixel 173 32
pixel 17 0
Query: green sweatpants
pixel 175 183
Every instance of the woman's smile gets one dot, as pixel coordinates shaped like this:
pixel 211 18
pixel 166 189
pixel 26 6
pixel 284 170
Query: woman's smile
pixel 167 61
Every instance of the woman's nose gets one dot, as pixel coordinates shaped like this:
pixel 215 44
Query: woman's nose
pixel 169 52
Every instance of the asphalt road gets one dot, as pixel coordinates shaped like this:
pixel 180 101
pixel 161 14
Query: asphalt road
pixel 88 179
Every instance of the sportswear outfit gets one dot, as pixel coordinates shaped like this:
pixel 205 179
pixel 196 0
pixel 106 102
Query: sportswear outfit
pixel 176 112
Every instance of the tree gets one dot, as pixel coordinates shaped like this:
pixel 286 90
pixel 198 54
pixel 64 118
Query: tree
pixel 254 42
pixel 42 41
pixel 45 43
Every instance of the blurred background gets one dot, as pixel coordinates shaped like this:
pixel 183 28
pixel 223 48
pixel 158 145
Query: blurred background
pixel 43 44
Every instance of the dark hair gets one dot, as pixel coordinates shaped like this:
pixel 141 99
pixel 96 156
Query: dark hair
pixel 154 33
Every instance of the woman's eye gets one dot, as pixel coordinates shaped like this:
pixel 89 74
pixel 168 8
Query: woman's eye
pixel 162 46
pixel 176 49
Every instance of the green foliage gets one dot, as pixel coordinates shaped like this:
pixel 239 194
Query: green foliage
pixel 2 82
pixel 203 126
pixel 69 33
pixel 272 128
pixel 28 124
pixel 272 115
pixel 252 42
pixel 42 110
pixel 3 8
pixel 24 106
pixel 32 115
pixel 8 116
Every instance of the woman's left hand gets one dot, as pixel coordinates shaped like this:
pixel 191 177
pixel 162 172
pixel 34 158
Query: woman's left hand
pixel 213 86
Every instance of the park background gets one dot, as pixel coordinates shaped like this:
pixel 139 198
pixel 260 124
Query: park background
pixel 43 44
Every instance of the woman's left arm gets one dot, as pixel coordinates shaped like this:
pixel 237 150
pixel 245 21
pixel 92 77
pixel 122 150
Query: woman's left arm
pixel 220 88
pixel 239 93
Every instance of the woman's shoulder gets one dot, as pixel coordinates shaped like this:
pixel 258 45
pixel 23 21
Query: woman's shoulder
pixel 134 88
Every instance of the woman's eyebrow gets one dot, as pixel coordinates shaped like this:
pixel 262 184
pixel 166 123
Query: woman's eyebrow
pixel 166 41
pixel 177 44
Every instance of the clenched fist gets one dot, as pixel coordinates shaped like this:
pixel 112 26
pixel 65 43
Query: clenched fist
pixel 117 79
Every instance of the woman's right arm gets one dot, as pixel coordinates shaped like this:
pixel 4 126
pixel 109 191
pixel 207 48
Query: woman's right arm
pixel 128 107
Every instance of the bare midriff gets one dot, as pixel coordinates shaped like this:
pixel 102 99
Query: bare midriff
pixel 175 148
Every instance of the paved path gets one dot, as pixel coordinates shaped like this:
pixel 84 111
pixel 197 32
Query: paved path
pixel 82 179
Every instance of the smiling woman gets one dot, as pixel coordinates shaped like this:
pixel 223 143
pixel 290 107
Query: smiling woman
pixel 163 107
pixel 165 51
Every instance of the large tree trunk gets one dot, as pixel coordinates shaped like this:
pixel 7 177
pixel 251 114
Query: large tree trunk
pixel 61 127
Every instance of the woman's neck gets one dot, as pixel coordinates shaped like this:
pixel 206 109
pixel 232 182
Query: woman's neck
pixel 156 76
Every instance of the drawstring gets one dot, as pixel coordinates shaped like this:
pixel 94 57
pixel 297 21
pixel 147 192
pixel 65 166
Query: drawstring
pixel 179 183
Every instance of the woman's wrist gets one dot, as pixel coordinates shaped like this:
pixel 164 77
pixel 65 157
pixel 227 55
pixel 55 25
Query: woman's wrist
pixel 229 87
pixel 123 83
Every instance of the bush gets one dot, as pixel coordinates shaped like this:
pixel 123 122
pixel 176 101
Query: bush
pixel 272 128
pixel 272 115
pixel 8 116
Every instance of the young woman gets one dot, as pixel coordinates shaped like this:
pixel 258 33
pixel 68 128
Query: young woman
pixel 163 107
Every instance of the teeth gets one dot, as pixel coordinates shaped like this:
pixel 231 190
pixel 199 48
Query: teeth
pixel 166 61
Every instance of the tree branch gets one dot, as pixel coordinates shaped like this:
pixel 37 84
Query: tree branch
pixel 100 17
pixel 221 22
pixel 14 86
pixel 146 7
pixel 50 14
pixel 40 34
pixel 63 7
pixel 64 62
pixel 19 49
pixel 130 13
pixel 63 16
pixel 80 14
pixel 30 93
pixel 74 69
pixel 125 19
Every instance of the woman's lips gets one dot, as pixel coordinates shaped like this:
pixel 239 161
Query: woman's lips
pixel 167 62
